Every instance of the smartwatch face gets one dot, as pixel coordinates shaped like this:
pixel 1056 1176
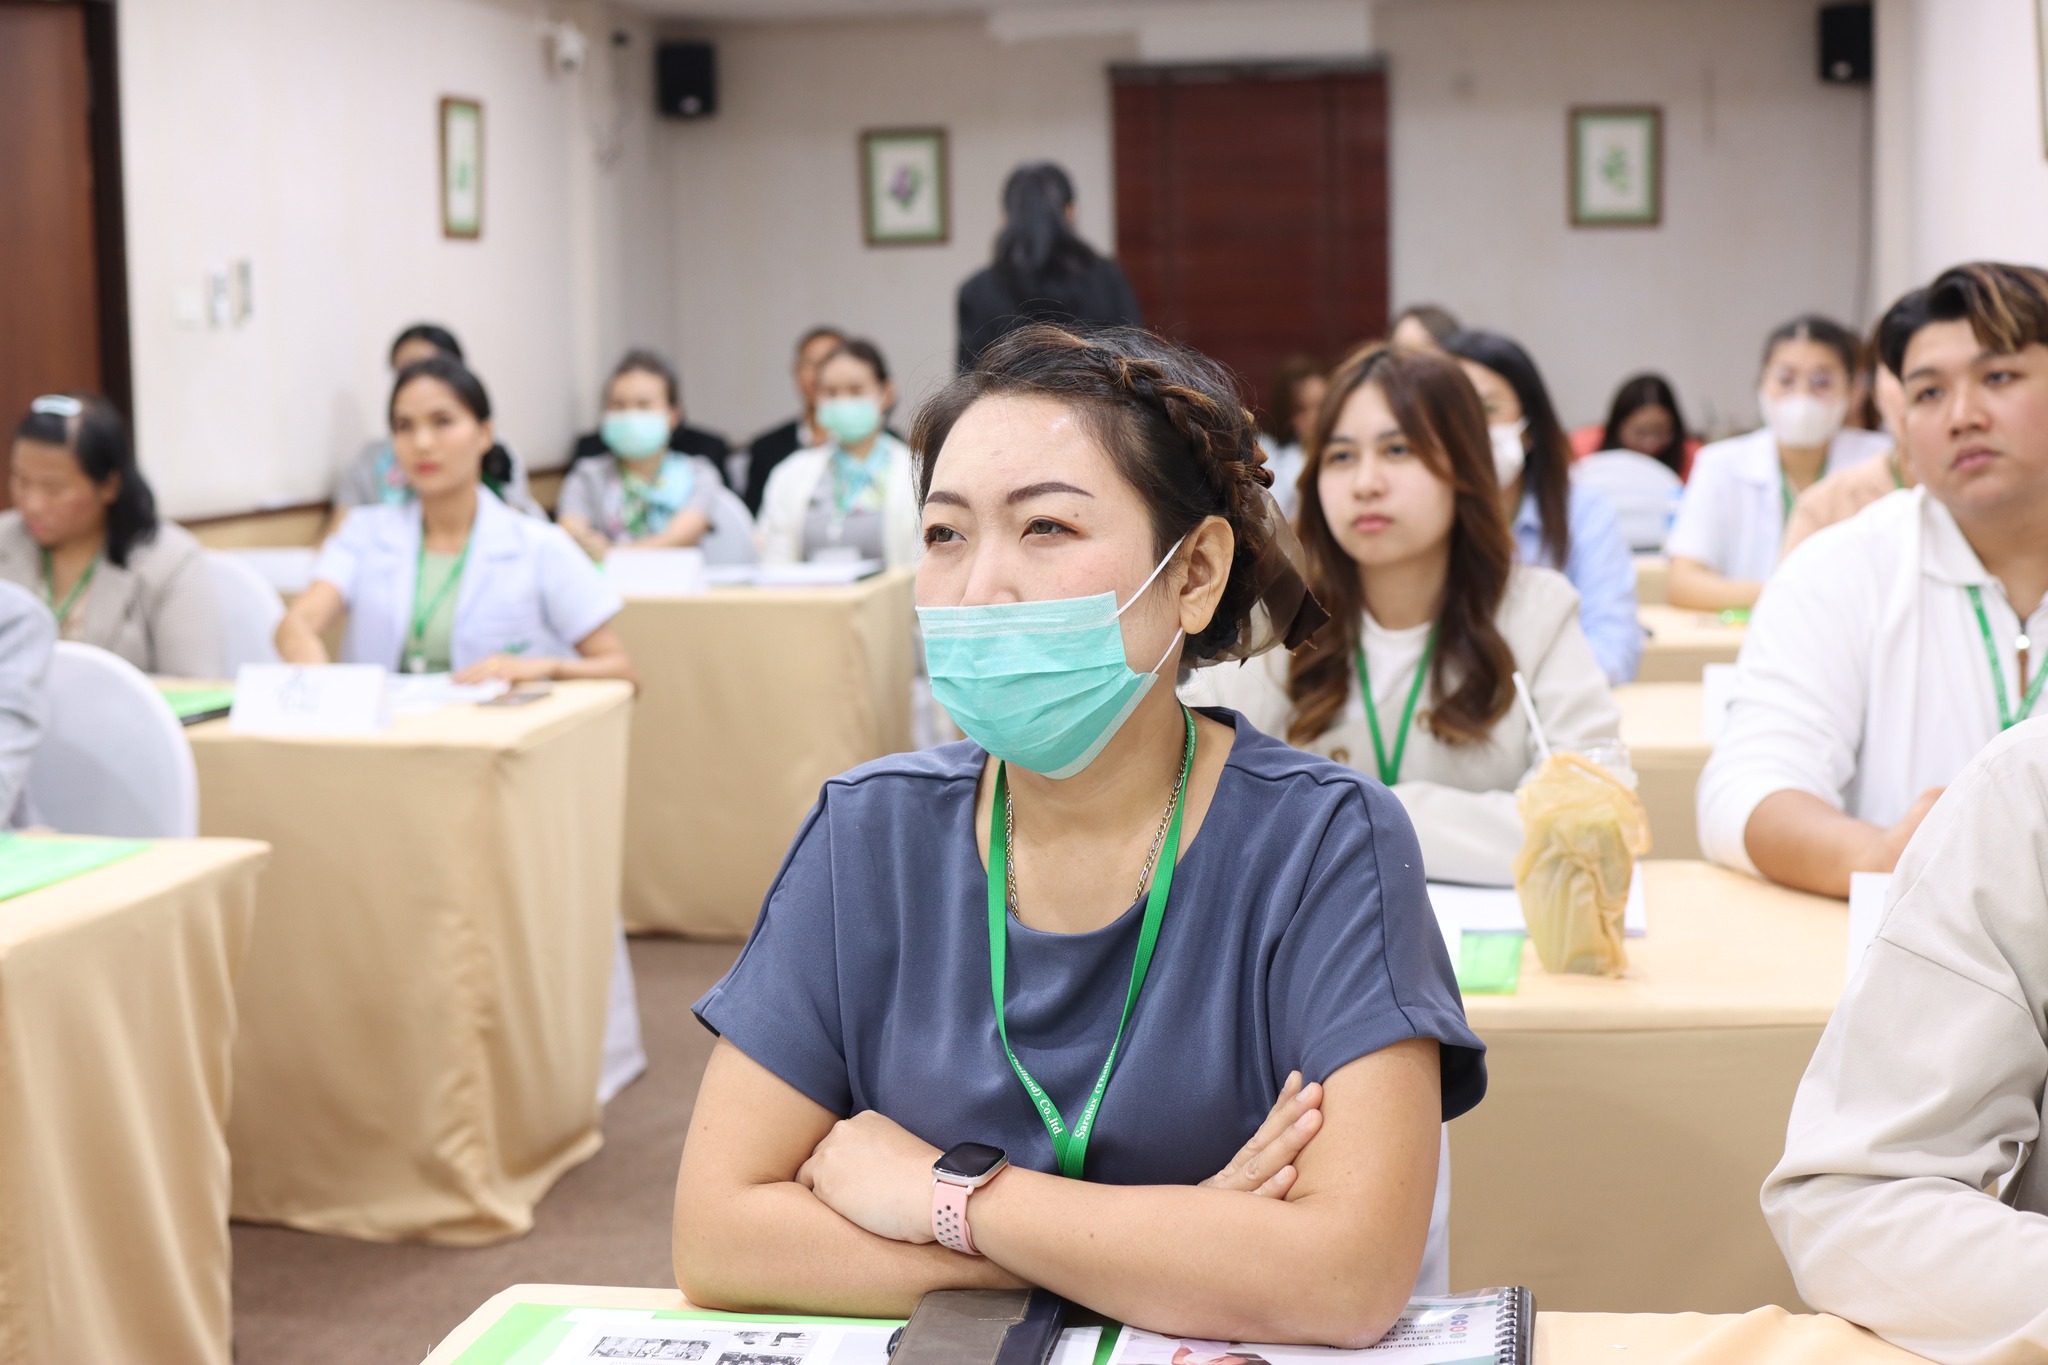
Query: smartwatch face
pixel 970 1160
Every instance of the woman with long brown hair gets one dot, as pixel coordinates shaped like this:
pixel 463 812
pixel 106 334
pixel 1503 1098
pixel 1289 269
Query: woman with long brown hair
pixel 1412 681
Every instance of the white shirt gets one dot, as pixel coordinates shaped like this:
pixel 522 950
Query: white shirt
pixel 787 498
pixel 1863 679
pixel 1732 517
pixel 1286 462
pixel 526 587
pixel 1925 1095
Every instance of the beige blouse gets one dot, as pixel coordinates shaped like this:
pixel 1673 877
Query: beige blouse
pixel 158 611
pixel 1461 797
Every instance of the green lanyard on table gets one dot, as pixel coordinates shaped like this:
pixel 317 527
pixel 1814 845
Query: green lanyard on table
pixel 2006 719
pixel 1390 769
pixel 416 638
pixel 1071 1147
pixel 63 609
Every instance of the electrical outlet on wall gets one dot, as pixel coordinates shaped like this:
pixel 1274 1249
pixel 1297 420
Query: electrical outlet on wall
pixel 188 307
pixel 218 306
pixel 244 290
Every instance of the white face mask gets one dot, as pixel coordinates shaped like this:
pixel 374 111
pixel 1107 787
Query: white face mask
pixel 1508 452
pixel 1801 420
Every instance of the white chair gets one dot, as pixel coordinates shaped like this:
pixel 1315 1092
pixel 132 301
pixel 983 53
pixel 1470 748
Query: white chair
pixel 249 610
pixel 731 538
pixel 114 759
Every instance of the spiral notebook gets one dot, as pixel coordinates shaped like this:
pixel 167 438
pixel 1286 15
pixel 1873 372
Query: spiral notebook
pixel 1487 1327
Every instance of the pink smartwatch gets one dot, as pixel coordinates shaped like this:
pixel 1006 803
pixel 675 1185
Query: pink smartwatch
pixel 965 1168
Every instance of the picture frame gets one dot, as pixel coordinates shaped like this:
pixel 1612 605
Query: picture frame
pixel 462 168
pixel 906 187
pixel 1617 165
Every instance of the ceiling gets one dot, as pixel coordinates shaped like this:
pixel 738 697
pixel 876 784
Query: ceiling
pixel 769 11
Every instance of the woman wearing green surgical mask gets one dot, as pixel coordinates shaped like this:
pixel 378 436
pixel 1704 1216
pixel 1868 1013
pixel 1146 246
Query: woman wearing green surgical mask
pixel 1017 1009
pixel 853 497
pixel 646 494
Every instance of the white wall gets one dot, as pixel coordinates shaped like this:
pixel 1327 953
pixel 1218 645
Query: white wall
pixel 765 196
pixel 1962 170
pixel 1765 187
pixel 304 137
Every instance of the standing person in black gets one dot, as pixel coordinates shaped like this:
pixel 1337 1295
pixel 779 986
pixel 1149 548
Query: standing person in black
pixel 1043 271
pixel 772 447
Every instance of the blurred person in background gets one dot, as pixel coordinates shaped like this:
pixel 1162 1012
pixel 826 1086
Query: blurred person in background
pixel 1297 392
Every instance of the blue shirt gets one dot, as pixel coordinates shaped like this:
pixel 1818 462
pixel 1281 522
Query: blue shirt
pixel 1298 935
pixel 1601 567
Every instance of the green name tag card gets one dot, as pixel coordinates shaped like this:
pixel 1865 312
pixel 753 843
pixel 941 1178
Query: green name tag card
pixel 1489 963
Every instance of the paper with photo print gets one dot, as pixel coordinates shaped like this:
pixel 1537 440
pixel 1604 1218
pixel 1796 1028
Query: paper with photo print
pixel 598 1335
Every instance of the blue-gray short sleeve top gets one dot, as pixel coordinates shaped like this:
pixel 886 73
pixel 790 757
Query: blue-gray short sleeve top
pixel 1298 936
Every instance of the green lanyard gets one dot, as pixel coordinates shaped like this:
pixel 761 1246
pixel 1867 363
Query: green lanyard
pixel 416 639
pixel 2006 719
pixel 1390 770
pixel 1072 1147
pixel 1784 497
pixel 63 609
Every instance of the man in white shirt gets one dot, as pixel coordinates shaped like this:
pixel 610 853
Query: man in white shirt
pixel 1909 1198
pixel 1893 647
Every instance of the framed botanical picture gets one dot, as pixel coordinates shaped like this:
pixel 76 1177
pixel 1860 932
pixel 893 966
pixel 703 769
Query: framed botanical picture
pixel 905 187
pixel 462 168
pixel 1617 166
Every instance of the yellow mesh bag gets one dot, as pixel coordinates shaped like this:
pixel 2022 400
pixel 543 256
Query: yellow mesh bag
pixel 1583 829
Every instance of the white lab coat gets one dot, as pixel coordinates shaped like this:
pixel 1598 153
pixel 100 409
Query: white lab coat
pixel 1863 679
pixel 1732 517
pixel 787 499
pixel 526 588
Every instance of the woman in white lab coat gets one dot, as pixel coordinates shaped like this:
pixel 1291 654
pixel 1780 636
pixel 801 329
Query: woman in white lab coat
pixel 854 497
pixel 1727 536
pixel 455 581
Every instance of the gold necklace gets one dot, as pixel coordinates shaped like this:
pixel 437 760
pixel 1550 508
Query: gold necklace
pixel 1151 859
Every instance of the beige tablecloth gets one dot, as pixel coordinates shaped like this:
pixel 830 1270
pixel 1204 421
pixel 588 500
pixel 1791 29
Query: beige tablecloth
pixel 1682 643
pixel 117 1016
pixel 751 698
pixel 1662 723
pixel 1651 573
pixel 424 1002
pixel 1629 1124
pixel 1768 1336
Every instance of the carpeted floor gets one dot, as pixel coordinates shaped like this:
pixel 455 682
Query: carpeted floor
pixel 302 1298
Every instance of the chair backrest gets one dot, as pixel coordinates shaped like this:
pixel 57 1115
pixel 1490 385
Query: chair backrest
pixel 731 538
pixel 249 610
pixel 114 759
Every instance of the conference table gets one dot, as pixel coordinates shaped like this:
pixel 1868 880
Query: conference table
pixel 1663 725
pixel 750 698
pixel 1652 572
pixel 1767 1336
pixel 1679 644
pixel 423 1006
pixel 117 1017
pixel 1629 1123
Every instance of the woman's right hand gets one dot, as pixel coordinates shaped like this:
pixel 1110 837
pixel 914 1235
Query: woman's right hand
pixel 1265 1164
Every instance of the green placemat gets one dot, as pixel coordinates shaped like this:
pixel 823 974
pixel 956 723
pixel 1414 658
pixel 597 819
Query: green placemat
pixel 187 702
pixel 29 864
pixel 1490 963
pixel 529 1332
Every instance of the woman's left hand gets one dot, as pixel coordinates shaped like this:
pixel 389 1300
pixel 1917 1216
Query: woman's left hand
pixel 512 668
pixel 873 1173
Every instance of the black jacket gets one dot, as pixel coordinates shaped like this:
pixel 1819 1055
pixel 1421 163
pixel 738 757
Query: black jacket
pixel 766 451
pixel 990 308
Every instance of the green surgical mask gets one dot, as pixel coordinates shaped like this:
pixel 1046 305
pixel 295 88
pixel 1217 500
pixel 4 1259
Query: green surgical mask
pixel 634 434
pixel 1043 685
pixel 850 420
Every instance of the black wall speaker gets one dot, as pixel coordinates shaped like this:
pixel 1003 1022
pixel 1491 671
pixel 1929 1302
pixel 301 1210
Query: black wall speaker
pixel 686 79
pixel 1845 44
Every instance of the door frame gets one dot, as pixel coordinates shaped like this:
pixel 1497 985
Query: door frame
pixel 109 203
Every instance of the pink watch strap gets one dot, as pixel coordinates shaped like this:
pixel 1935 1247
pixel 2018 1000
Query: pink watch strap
pixel 949 1216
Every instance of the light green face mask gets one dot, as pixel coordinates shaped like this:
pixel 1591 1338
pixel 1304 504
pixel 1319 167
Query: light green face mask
pixel 1043 685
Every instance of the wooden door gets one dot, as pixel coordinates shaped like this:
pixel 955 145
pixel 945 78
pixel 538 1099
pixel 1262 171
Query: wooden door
pixel 52 242
pixel 1252 208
